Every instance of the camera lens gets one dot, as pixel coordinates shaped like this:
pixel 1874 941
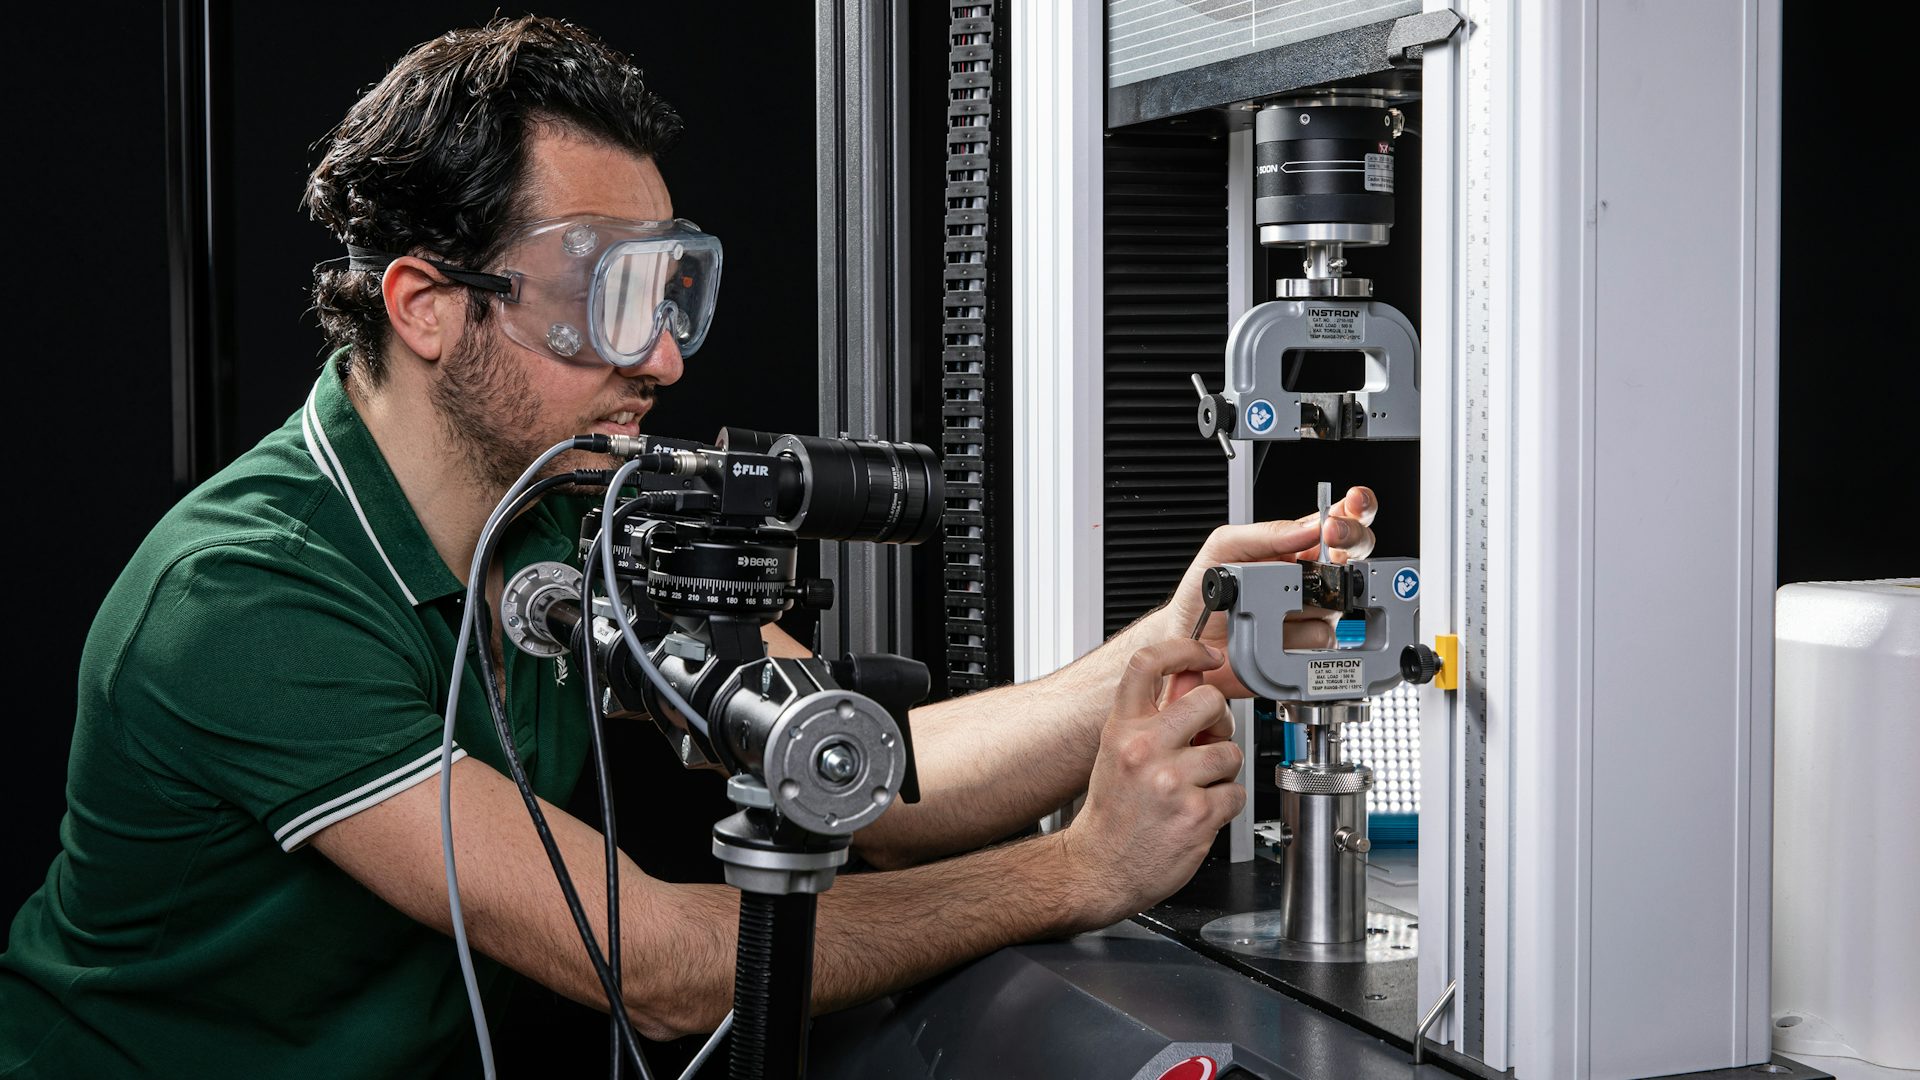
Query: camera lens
pixel 859 489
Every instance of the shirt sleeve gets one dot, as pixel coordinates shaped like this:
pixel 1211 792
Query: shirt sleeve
pixel 281 687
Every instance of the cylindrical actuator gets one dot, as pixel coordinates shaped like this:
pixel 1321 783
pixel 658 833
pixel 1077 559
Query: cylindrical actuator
pixel 1323 172
pixel 1323 866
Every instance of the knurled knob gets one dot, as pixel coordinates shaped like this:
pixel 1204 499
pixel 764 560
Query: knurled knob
pixel 1419 664
pixel 816 594
pixel 1218 588
pixel 1215 416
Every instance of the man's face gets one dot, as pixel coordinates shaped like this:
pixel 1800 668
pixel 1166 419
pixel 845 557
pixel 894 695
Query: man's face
pixel 510 403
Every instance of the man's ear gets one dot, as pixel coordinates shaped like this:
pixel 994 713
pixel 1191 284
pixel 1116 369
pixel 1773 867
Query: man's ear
pixel 417 307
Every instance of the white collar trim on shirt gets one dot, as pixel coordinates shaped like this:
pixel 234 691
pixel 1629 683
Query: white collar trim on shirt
pixel 336 473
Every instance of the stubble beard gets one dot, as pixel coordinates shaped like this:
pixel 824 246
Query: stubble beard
pixel 487 405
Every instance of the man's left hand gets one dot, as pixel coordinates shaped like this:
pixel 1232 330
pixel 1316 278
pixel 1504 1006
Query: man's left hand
pixel 1270 541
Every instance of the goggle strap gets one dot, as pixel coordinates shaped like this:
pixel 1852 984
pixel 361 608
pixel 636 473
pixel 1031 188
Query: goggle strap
pixel 359 258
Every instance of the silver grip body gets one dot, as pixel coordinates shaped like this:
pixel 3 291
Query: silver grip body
pixel 1386 407
pixel 1256 645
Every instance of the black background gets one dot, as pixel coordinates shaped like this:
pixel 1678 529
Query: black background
pixel 90 377
pixel 93 346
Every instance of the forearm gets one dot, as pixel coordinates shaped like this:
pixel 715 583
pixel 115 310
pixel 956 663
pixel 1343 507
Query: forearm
pixel 877 932
pixel 677 942
pixel 881 932
pixel 994 762
pixel 677 939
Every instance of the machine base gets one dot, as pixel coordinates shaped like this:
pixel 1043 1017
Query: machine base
pixel 1117 1003
pixel 1391 935
pixel 1377 998
pixel 1138 998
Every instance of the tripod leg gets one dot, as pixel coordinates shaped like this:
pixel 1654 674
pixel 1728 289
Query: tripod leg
pixel 773 986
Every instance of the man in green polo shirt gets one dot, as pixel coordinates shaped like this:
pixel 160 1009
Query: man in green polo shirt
pixel 250 881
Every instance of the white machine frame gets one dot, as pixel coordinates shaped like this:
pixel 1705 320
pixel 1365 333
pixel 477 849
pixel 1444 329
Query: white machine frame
pixel 1600 257
pixel 1058 114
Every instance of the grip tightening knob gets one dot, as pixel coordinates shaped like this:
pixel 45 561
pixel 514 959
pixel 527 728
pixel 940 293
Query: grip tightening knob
pixel 1419 664
pixel 1218 588
pixel 1215 415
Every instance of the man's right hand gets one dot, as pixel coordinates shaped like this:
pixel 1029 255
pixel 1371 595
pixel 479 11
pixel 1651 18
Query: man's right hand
pixel 1162 783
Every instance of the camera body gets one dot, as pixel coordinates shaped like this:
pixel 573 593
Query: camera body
pixel 707 555
pixel 692 568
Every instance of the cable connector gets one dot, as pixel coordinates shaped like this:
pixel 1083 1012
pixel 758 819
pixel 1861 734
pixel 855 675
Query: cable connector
pixel 653 459
pixel 624 446
pixel 672 462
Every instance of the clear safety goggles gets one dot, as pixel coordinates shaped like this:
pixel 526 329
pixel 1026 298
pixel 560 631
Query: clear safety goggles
pixel 570 284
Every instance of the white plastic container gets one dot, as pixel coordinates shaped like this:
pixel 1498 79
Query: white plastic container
pixel 1846 822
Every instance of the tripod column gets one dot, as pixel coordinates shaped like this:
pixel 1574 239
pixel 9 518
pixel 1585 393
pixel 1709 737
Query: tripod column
pixel 773 985
pixel 780 872
pixel 815 763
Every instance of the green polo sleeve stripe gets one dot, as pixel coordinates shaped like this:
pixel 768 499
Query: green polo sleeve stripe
pixel 284 682
pixel 295 832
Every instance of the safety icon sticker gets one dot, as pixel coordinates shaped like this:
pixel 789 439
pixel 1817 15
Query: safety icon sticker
pixel 1406 583
pixel 1260 416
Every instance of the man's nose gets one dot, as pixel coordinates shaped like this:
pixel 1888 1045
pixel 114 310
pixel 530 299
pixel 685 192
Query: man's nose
pixel 664 364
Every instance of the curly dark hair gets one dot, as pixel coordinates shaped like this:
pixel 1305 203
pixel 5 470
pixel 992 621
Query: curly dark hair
pixel 432 159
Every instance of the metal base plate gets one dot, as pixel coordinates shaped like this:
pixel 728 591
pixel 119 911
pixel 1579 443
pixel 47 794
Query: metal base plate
pixel 1391 936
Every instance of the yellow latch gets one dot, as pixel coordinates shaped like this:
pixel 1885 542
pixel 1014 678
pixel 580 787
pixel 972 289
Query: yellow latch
pixel 1447 648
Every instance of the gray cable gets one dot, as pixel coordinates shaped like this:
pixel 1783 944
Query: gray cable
pixel 610 585
pixel 713 1043
pixel 474 585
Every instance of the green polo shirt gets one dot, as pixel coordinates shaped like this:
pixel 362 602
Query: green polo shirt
pixel 274 659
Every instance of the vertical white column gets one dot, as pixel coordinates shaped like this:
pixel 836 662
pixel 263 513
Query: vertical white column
pixel 1553 566
pixel 1684 226
pixel 1440 460
pixel 1504 275
pixel 1244 289
pixel 1058 92
pixel 1471 270
pixel 1639 381
pixel 1752 1022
